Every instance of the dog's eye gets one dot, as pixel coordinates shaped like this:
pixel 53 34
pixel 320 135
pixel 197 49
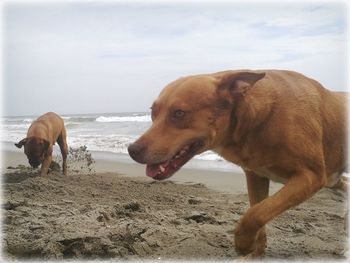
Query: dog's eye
pixel 153 112
pixel 178 114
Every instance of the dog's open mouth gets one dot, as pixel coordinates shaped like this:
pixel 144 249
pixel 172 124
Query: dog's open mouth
pixel 166 169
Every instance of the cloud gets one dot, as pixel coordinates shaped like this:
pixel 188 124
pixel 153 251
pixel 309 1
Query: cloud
pixel 102 54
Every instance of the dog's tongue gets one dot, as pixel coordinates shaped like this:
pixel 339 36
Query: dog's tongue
pixel 152 170
pixel 166 169
pixel 160 171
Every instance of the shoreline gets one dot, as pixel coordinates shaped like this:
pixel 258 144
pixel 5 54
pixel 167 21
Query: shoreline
pixel 194 163
pixel 223 181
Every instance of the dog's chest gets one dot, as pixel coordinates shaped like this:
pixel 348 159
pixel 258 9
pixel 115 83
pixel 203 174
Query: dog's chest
pixel 247 162
pixel 264 172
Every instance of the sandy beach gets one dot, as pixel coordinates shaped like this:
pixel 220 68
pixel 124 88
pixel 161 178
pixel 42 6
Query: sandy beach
pixel 117 212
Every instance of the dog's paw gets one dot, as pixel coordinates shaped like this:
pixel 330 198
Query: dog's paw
pixel 250 257
pixel 250 244
pixel 246 258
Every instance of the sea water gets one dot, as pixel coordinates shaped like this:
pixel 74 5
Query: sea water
pixel 106 135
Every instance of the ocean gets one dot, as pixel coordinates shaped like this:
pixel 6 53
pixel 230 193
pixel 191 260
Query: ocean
pixel 109 133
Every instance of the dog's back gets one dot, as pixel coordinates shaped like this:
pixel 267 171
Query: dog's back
pixel 308 111
pixel 47 126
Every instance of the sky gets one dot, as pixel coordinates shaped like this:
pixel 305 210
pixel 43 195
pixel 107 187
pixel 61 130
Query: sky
pixel 100 57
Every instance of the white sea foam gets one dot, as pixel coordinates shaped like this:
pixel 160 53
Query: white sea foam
pixel 108 133
pixel 13 131
pixel 118 143
pixel 107 143
pixel 15 126
pixel 144 118
pixel 12 136
pixel 209 156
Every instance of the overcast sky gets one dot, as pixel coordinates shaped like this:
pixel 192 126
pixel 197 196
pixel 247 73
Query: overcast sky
pixel 116 57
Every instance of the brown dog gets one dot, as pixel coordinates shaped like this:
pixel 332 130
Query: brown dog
pixel 41 136
pixel 276 125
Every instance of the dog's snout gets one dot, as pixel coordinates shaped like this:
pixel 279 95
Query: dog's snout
pixel 34 164
pixel 137 151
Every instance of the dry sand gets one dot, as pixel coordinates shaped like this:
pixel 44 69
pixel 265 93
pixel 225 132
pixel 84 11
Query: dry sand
pixel 108 215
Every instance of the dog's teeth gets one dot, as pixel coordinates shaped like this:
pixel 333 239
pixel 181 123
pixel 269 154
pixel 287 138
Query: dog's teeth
pixel 162 169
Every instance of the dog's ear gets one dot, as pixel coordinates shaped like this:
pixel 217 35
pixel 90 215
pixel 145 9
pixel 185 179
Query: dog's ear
pixel 238 82
pixel 21 143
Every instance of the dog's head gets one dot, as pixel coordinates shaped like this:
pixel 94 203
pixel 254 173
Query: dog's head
pixel 35 149
pixel 191 115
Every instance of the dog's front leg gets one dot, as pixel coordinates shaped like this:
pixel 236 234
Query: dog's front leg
pixel 45 165
pixel 258 190
pixel 47 161
pixel 298 188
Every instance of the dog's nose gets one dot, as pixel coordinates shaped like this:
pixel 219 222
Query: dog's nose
pixel 34 164
pixel 137 151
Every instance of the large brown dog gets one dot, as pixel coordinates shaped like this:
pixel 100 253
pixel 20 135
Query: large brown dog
pixel 276 125
pixel 41 136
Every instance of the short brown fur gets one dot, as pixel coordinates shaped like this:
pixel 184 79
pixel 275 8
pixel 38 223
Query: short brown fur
pixel 277 125
pixel 41 136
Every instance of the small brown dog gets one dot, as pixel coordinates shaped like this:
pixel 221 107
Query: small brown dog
pixel 41 136
pixel 277 125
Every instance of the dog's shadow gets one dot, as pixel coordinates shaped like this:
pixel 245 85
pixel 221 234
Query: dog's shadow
pixel 13 175
pixel 16 177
